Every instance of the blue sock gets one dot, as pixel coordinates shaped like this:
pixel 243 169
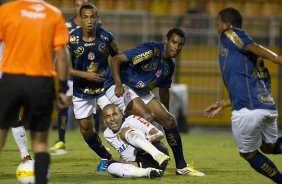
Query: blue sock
pixel 97 122
pixel 62 122
pixel 95 143
pixel 174 140
pixel 278 146
pixel 266 167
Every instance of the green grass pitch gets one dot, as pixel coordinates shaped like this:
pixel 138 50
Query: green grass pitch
pixel 214 154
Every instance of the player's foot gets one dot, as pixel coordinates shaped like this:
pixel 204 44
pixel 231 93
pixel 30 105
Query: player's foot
pixel 26 158
pixel 103 165
pixel 163 160
pixel 154 173
pixel 58 148
pixel 189 170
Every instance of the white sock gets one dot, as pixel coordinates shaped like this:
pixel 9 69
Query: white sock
pixel 21 140
pixel 126 170
pixel 138 140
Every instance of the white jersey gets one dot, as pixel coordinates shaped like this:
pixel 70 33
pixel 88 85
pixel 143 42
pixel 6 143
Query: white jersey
pixel 127 152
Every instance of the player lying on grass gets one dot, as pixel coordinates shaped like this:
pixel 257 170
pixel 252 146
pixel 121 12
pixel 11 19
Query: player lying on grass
pixel 138 143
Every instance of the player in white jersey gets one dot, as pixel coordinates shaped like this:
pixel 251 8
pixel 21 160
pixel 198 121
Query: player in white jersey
pixel 138 143
pixel 17 128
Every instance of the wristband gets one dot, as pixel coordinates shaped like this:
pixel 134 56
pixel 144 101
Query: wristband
pixel 63 86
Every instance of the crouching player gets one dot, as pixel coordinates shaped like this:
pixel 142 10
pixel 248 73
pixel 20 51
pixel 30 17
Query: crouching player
pixel 138 143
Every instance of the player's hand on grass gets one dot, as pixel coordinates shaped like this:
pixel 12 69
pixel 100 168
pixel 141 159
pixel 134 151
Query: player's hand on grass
pixel 213 110
pixel 119 90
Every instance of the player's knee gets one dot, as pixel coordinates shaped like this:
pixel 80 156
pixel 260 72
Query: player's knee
pixel 170 122
pixel 86 131
pixel 148 116
pixel 248 156
pixel 267 148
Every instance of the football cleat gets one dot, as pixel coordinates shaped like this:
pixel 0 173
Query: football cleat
pixel 102 165
pixel 189 170
pixel 163 160
pixel 58 148
pixel 26 158
pixel 154 173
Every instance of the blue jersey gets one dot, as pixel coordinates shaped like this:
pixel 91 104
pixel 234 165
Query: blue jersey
pixel 244 74
pixel 71 25
pixel 146 69
pixel 92 57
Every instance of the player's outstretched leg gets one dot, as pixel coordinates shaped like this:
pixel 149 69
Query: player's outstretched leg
pixel 137 139
pixel 128 170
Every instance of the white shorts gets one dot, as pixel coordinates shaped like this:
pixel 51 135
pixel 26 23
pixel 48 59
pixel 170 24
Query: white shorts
pixel 110 94
pixel 130 94
pixel 251 127
pixel 70 90
pixel 83 108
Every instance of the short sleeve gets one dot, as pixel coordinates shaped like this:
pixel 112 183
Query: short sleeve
pixel 238 37
pixel 61 33
pixel 139 54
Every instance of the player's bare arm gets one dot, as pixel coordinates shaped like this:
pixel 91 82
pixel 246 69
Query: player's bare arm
pixel 63 71
pixel 91 76
pixel 115 63
pixel 214 109
pixel 261 51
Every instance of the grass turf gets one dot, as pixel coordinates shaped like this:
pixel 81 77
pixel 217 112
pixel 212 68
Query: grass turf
pixel 213 153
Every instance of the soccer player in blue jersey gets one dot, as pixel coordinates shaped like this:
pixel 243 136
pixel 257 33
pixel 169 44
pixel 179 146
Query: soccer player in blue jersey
pixel 59 147
pixel 254 114
pixel 89 49
pixel 140 70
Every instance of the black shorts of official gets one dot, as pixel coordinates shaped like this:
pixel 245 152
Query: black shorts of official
pixel 34 94
pixel 145 160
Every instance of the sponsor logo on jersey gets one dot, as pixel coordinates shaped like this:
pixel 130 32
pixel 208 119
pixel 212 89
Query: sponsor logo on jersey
pixel 37 7
pixel 122 148
pixel 156 51
pixel 141 120
pixel 74 39
pixel 88 44
pixel 102 48
pixel 104 38
pixel 33 15
pixel 78 52
pixel 149 66
pixel 158 73
pixel 93 67
pixel 140 84
pixel 91 56
pixel 142 57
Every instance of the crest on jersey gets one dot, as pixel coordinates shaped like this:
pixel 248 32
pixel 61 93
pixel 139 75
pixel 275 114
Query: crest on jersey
pixel 140 84
pixel 91 56
pixel 158 73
